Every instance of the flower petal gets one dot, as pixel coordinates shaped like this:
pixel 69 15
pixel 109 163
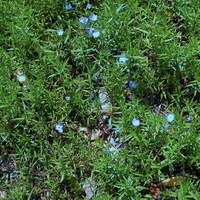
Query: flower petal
pixel 93 17
pixel 68 6
pixel 170 117
pixel 135 122
pixel 132 84
pixel 96 33
pixel 60 32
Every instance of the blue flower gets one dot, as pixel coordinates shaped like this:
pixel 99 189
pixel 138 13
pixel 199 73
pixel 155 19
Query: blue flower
pixel 21 78
pixel 83 20
pixel 96 33
pixel 89 6
pixel 67 98
pixel 132 84
pixel 68 6
pixel 90 31
pixel 189 119
pixel 93 17
pixel 86 25
pixel 170 117
pixel 93 33
pixel 122 58
pixel 135 122
pixel 60 32
pixel 59 128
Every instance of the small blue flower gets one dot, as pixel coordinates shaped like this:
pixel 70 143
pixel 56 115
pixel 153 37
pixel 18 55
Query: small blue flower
pixel 132 85
pixel 21 78
pixel 86 25
pixel 89 6
pixel 170 117
pixel 60 32
pixel 68 6
pixel 59 128
pixel 122 58
pixel 199 139
pixel 135 122
pixel 83 20
pixel 189 119
pixel 93 17
pixel 92 32
pixel 67 98
pixel 96 33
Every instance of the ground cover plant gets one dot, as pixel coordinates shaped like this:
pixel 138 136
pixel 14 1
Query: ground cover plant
pixel 100 99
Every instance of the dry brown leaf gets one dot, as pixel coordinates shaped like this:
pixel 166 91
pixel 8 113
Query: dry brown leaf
pixel 94 136
pixel 171 182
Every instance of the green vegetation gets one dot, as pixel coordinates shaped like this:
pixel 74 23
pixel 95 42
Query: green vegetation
pixel 128 79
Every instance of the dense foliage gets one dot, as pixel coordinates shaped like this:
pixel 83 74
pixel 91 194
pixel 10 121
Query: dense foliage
pixel 55 63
